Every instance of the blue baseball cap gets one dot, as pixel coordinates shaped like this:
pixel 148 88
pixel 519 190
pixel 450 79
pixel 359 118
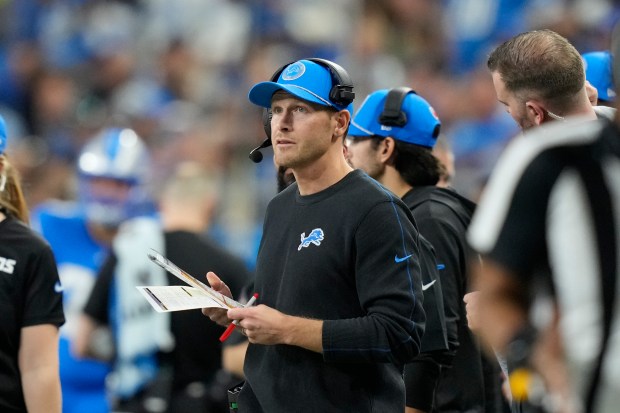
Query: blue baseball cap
pixel 598 73
pixel 421 127
pixel 3 137
pixel 303 79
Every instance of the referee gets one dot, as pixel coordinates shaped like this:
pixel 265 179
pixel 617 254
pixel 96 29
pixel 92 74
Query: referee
pixel 550 216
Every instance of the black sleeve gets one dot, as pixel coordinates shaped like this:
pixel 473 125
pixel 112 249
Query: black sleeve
pixel 421 378
pixel 434 337
pixel 390 292
pixel 449 252
pixel 43 299
pixel 98 301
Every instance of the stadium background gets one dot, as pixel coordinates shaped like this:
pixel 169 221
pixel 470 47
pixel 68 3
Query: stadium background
pixel 178 72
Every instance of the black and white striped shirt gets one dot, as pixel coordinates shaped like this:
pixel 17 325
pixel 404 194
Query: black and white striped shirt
pixel 552 207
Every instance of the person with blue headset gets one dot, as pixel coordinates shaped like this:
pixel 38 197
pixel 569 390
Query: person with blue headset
pixel 31 309
pixel 338 275
pixel 112 175
pixel 391 138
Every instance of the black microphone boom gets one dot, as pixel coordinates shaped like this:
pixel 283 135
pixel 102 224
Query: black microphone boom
pixel 255 154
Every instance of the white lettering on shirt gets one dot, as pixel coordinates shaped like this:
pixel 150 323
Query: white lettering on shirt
pixel 7 265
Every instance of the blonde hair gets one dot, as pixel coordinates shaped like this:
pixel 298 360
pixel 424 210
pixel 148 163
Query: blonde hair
pixel 191 181
pixel 12 200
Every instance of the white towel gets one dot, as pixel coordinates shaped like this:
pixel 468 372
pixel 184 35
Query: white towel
pixel 140 331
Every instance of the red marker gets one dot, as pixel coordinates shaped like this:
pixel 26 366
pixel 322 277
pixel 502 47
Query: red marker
pixel 232 325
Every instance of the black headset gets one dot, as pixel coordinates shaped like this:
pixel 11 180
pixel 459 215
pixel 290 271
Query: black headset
pixel 393 113
pixel 341 94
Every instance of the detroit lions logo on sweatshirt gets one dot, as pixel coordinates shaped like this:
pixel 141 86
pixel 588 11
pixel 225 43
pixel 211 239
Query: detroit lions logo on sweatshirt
pixel 315 237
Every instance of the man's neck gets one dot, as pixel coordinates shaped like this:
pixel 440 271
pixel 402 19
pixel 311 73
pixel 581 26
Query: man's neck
pixel 188 218
pixel 583 109
pixel 393 181
pixel 321 174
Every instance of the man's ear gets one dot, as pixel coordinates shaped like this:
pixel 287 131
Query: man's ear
pixel 535 112
pixel 386 149
pixel 592 93
pixel 343 118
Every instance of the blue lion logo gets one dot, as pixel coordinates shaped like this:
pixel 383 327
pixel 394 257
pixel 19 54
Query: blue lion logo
pixel 294 71
pixel 315 237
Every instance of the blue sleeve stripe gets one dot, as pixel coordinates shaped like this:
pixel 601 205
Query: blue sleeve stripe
pixel 402 237
pixel 369 349
pixel 349 350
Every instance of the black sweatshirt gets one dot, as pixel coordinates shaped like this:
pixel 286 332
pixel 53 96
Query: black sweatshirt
pixel 346 255
pixel 443 217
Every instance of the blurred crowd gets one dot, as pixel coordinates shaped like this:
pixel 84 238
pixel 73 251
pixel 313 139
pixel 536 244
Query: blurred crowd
pixel 178 73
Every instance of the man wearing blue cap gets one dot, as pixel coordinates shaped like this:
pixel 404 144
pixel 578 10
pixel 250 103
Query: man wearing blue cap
pixel 391 138
pixel 337 274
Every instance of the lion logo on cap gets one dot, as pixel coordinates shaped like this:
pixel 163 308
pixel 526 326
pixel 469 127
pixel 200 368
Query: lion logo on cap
pixel 293 71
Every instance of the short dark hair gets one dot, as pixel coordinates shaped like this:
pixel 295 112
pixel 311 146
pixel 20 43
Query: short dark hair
pixel 416 164
pixel 540 62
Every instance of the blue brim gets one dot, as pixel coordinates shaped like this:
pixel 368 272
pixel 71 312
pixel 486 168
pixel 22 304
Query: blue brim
pixel 262 93
pixel 356 130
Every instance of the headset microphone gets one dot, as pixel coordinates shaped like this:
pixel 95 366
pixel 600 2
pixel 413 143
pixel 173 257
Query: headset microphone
pixel 255 154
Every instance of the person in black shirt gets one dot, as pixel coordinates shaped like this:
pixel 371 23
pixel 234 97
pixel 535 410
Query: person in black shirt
pixel 338 273
pixel 30 305
pixel 391 138
pixel 187 204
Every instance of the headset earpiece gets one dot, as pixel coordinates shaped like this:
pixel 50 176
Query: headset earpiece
pixel 267 114
pixel 341 92
pixel 392 114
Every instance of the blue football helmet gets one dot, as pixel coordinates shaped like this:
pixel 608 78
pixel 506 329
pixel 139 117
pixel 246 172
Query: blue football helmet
pixel 113 170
